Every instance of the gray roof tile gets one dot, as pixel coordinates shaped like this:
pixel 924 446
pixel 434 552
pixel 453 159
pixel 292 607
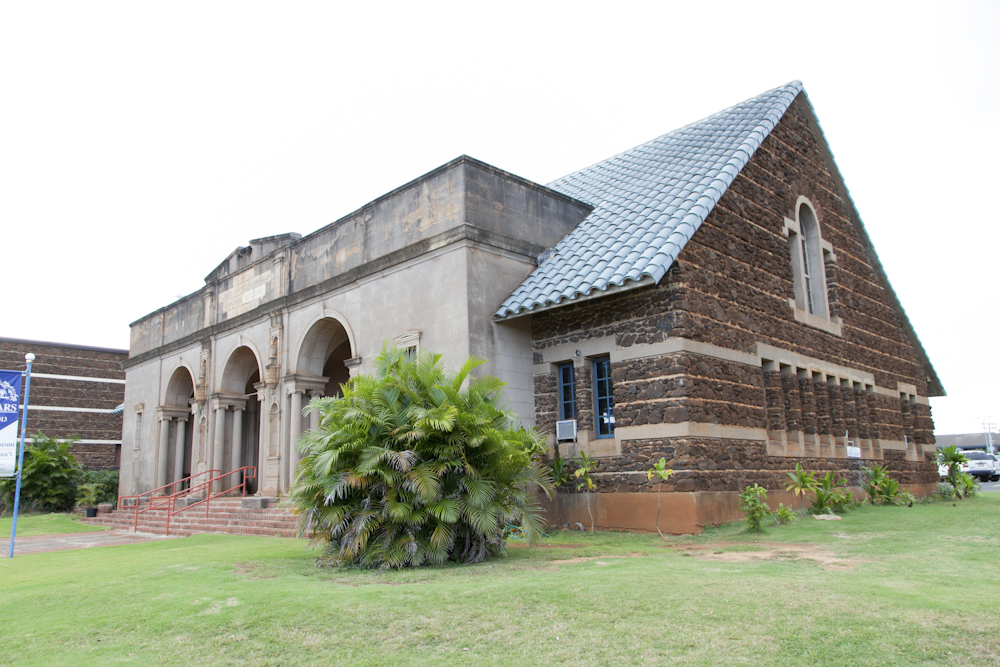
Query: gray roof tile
pixel 648 203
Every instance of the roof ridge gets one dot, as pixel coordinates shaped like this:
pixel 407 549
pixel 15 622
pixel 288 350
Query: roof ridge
pixel 795 83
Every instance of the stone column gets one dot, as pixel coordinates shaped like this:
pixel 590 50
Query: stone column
pixel 793 401
pixel 822 398
pixel 314 415
pixel 773 401
pixel 837 423
pixel 237 448
pixel 296 431
pixel 179 452
pixel 864 418
pixel 219 445
pixel 849 409
pixel 162 462
pixel 809 425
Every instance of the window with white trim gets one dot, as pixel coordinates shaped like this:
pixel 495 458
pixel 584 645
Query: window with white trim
pixel 810 255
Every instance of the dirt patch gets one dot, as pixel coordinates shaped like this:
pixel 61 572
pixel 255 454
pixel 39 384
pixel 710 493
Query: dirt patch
pixel 735 552
pixel 522 545
pixel 584 559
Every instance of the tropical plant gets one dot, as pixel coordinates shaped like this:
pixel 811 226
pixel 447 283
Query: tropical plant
pixel 803 482
pixel 108 479
pixel 875 481
pixel 49 478
pixel 415 464
pixel 661 471
pixel 558 470
pixel 783 514
pixel 585 466
pixel 754 507
pixel 89 494
pixel 968 485
pixel 951 457
pixel 829 497
pixel 944 491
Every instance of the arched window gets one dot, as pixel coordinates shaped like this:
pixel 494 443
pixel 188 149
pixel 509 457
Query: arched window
pixel 813 269
pixel 809 255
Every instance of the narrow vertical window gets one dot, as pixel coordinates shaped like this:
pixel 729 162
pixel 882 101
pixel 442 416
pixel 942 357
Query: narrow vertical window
pixel 567 392
pixel 604 399
pixel 138 430
pixel 808 281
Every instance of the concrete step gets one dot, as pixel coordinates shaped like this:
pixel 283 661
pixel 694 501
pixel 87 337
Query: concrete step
pixel 225 515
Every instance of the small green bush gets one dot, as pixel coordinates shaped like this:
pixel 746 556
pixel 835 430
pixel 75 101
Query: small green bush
pixel 108 479
pixel 783 514
pixel 829 497
pixel 754 506
pixel 968 485
pixel 49 479
pixel 943 491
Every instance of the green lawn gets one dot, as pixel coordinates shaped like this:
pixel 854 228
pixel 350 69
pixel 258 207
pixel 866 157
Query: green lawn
pixel 884 586
pixel 44 524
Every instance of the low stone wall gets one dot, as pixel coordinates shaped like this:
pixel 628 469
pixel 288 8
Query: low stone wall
pixel 680 513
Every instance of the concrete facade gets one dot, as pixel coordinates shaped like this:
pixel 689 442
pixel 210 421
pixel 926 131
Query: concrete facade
pixel 289 318
pixel 74 391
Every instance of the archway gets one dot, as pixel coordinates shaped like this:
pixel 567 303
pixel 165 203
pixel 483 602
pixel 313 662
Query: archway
pixel 237 418
pixel 319 371
pixel 175 414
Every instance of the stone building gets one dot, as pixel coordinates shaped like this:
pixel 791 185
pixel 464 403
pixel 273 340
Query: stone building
pixel 710 297
pixel 74 392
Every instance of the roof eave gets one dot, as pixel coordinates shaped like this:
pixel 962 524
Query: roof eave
pixel 645 281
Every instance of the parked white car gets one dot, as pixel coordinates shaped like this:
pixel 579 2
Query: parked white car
pixel 979 464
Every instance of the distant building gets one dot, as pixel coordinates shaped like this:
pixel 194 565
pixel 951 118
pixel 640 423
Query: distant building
pixel 968 440
pixel 75 390
pixel 710 297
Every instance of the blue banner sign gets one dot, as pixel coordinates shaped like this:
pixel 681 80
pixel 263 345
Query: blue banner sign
pixel 10 393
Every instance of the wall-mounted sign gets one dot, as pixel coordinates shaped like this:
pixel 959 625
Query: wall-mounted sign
pixel 853 452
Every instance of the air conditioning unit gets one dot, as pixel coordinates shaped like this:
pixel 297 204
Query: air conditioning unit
pixel 566 430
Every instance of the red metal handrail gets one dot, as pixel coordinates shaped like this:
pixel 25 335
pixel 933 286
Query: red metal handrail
pixel 250 472
pixel 169 502
pixel 165 486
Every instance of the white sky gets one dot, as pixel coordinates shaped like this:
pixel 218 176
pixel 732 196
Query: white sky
pixel 142 142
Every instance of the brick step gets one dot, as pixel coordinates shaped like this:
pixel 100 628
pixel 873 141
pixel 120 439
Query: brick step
pixel 225 515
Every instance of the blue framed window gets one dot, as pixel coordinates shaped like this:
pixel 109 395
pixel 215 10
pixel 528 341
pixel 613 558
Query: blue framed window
pixel 567 392
pixel 604 399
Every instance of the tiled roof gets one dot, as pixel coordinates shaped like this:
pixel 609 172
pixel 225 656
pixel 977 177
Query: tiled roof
pixel 648 202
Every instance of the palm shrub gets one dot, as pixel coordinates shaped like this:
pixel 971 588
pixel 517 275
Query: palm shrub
pixel 107 479
pixel 415 465
pixel 802 482
pixel 951 457
pixel 829 496
pixel 49 478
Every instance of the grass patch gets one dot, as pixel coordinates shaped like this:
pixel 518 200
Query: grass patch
pixel 44 524
pixel 577 600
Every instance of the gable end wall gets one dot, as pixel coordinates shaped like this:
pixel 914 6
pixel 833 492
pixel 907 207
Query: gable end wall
pixel 687 357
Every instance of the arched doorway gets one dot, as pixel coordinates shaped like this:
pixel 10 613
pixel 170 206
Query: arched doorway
pixel 319 371
pixel 237 418
pixel 175 414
